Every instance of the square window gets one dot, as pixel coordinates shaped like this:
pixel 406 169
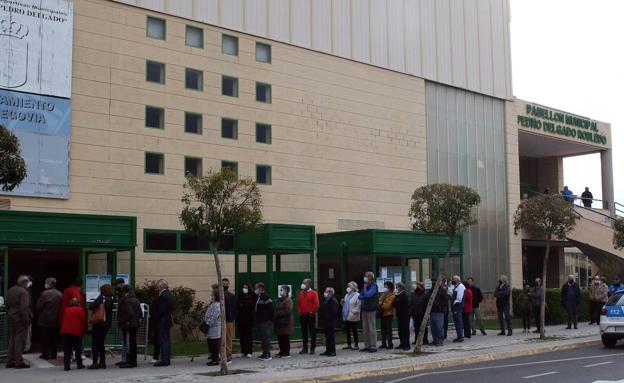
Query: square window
pixel 155 72
pixel 229 86
pixel 263 133
pixel 229 128
pixel 160 241
pixel 192 166
pixel 263 92
pixel 229 45
pixel 156 28
pixel 154 163
pixel 194 79
pixel 154 117
pixel 263 53
pixel 231 165
pixel 263 174
pixel 192 123
pixel 194 37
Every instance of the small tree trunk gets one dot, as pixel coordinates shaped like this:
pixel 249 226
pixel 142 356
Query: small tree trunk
pixel 222 346
pixel 434 292
pixel 543 302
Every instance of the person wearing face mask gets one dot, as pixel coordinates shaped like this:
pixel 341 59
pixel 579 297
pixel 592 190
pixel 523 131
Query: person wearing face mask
pixel 598 296
pixel 212 318
pixel 163 309
pixel 244 319
pixel 230 316
pixel 402 307
pixel 20 317
pixel 370 304
pixel 468 299
pixel 457 307
pixel 283 318
pixel 536 295
pixel 386 303
pixel 503 300
pixel 263 317
pixel 329 316
pixel 570 300
pixel 351 307
pixel 307 306
pixel 418 306
pixel 47 308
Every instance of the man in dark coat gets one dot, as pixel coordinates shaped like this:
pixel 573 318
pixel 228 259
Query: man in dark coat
pixel 48 307
pixel 418 306
pixel 329 314
pixel 263 317
pixel 129 316
pixel 164 322
pixel 570 300
pixel 587 197
pixel 503 300
pixel 230 317
pixel 475 316
pixel 402 309
pixel 20 317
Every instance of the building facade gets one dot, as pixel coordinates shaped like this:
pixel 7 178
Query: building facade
pixel 339 109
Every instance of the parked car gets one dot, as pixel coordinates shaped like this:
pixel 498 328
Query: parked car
pixel 612 320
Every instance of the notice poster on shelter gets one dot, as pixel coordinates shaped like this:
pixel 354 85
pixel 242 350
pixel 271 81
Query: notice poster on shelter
pixel 279 290
pixel 125 277
pixel 380 285
pixel 397 278
pixel 93 287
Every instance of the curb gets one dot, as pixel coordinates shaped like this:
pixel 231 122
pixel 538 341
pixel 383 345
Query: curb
pixel 413 367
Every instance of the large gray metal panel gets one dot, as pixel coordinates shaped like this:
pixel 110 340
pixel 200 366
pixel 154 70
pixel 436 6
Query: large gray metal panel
pixel 458 46
pixel 341 27
pixel 428 39
pixel 232 14
pixel 256 17
pixel 379 33
pixel 413 64
pixel 465 141
pixel 360 30
pixel 321 31
pixel 300 22
pixel 279 20
pixel 443 41
pixel 396 35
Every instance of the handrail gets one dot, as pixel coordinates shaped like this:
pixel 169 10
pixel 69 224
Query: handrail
pixel 576 198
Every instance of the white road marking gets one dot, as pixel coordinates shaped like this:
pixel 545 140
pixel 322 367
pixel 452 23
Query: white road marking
pixel 597 364
pixel 501 366
pixel 538 375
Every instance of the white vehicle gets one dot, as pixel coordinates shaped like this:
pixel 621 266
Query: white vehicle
pixel 612 320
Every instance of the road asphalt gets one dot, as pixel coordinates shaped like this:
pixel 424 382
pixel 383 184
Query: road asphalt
pixel 583 365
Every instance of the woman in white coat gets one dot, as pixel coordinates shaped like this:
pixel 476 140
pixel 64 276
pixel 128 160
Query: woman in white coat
pixel 212 318
pixel 351 306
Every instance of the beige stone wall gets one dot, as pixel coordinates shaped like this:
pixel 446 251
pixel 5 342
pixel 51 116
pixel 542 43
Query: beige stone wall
pixel 348 138
pixel 513 195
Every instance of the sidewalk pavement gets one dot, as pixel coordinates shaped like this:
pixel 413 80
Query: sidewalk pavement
pixel 307 368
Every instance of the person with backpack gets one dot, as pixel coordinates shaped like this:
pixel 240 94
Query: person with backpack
pixel 129 317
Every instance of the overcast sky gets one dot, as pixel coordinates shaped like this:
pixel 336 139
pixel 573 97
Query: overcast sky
pixel 569 54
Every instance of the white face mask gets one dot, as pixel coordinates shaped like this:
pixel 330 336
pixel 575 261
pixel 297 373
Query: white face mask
pixel 349 290
pixel 365 279
pixel 303 286
pixel 326 295
pixel 245 290
pixel 257 291
pixel 29 284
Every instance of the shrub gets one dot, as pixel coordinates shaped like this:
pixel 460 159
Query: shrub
pixel 187 311
pixel 555 312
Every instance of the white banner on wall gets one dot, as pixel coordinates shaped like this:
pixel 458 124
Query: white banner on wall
pixel 36 46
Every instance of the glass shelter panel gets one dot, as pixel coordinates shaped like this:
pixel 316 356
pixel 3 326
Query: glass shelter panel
pixel 258 263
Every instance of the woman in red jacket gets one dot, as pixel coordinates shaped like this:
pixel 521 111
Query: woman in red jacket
pixel 72 331
pixel 467 310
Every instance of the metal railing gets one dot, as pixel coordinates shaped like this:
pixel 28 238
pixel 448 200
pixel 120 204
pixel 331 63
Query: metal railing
pixel 618 208
pixel 113 339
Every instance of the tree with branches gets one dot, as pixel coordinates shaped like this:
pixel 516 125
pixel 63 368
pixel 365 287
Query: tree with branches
pixel 549 217
pixel 447 209
pixel 12 165
pixel 217 205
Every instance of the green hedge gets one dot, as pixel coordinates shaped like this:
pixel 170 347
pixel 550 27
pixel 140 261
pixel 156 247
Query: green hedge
pixel 555 312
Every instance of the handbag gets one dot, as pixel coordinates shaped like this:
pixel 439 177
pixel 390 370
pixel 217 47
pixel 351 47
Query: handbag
pixel 203 327
pixel 98 316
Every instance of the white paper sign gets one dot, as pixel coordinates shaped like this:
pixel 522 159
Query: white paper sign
pixel 397 278
pixel 93 286
pixel 428 284
pixel 380 285
pixel 384 272
pixel 331 273
pixel 36 46
pixel 414 276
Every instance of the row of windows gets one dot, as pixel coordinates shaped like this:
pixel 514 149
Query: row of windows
pixel 155 164
pixel 193 123
pixel 180 241
pixel 194 80
pixel 194 37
